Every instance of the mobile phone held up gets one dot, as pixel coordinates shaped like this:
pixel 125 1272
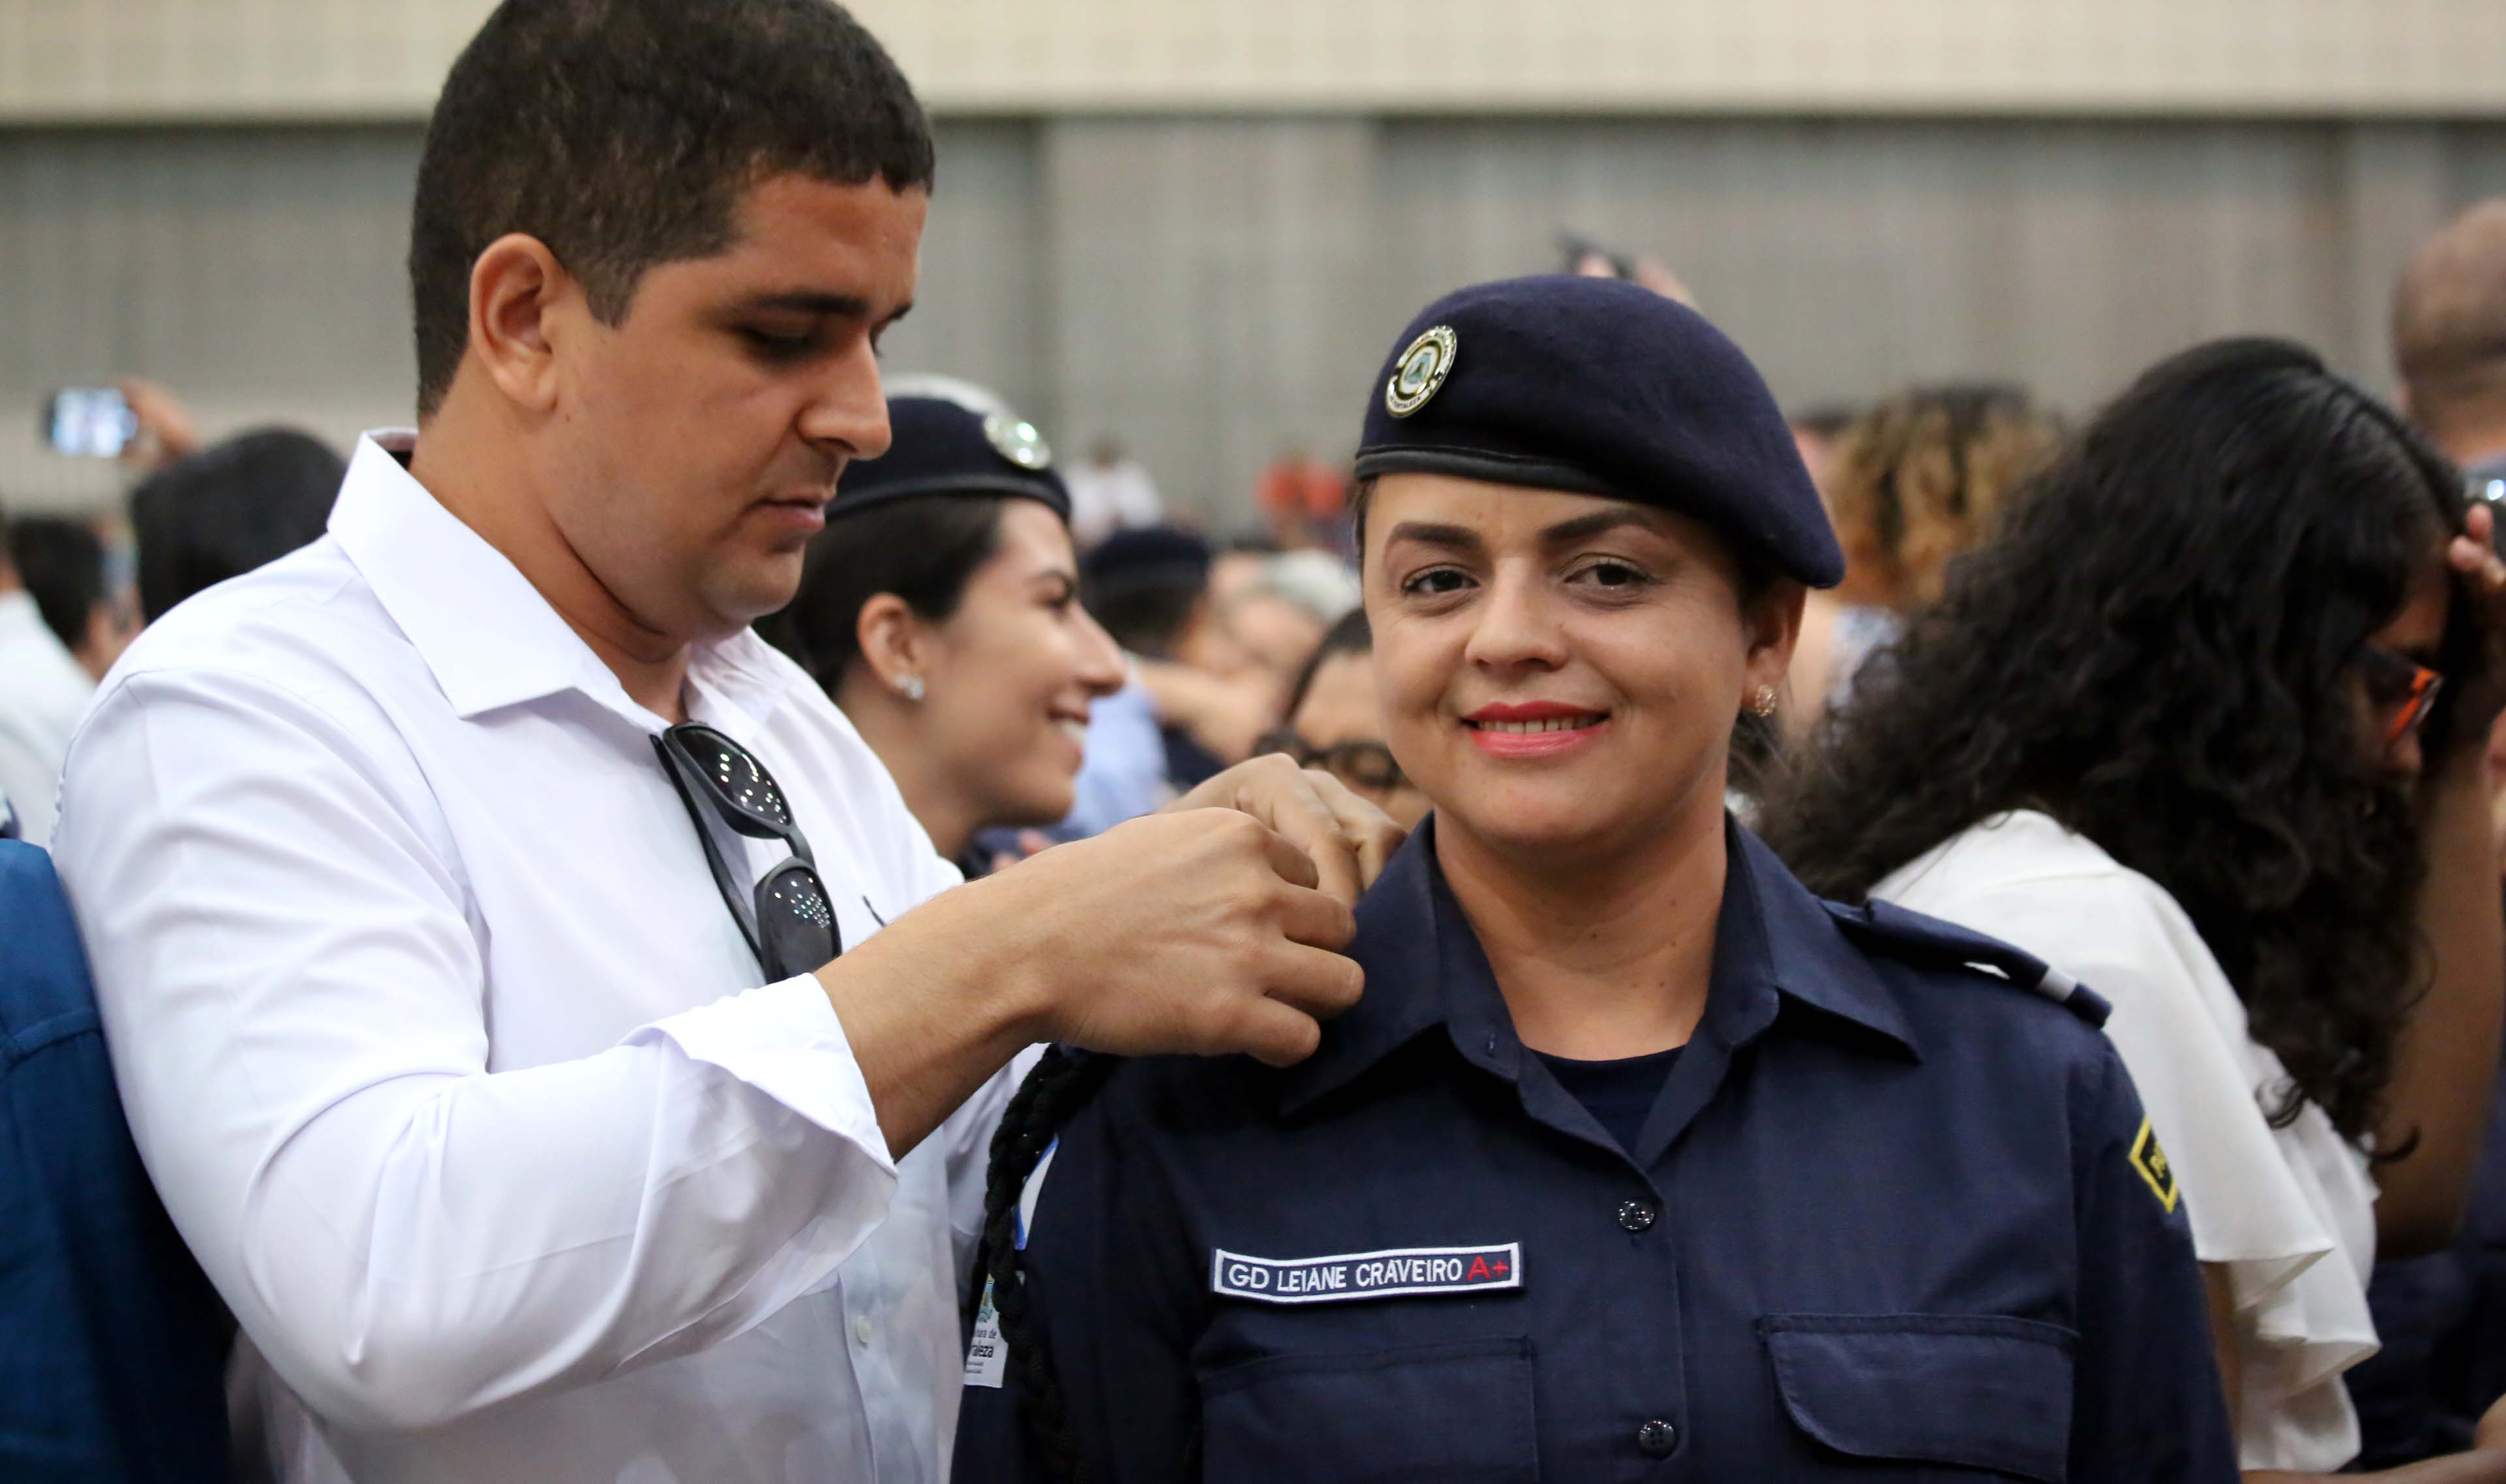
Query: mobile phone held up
pixel 89 421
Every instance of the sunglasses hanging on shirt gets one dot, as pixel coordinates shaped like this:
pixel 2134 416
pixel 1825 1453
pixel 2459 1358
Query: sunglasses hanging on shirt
pixel 787 919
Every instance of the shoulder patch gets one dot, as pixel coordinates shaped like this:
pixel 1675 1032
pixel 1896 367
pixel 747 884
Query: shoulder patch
pixel 1885 927
pixel 2150 1162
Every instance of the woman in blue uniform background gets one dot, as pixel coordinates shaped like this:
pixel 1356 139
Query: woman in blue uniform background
pixel 1635 1161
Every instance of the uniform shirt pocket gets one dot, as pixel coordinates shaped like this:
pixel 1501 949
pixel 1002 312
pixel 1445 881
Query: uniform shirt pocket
pixel 1976 1391
pixel 1457 1413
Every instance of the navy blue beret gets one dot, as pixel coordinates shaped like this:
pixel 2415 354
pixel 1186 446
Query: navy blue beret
pixel 1599 386
pixel 1146 556
pixel 942 447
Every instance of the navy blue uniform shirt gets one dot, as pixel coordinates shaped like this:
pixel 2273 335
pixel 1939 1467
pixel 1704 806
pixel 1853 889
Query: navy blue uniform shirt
pixel 1891 1217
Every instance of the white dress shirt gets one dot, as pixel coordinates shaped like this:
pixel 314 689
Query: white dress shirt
pixel 42 693
pixel 452 1064
pixel 2289 1212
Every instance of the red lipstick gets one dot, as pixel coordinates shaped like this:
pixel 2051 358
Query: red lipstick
pixel 1532 729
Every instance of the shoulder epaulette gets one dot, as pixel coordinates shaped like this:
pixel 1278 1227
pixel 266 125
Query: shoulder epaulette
pixel 1887 928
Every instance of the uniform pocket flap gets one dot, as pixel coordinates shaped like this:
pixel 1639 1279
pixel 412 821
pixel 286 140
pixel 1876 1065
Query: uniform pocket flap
pixel 1978 1392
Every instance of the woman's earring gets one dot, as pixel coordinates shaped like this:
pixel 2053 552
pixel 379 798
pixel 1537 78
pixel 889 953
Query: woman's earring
pixel 1763 702
pixel 911 687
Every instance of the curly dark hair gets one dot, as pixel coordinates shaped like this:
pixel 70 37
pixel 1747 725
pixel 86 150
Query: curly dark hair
pixel 2157 649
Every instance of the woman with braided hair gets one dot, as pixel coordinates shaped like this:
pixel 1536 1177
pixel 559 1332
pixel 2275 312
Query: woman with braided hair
pixel 1636 1160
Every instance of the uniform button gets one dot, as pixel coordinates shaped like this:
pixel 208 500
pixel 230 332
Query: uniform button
pixel 1637 1216
pixel 861 1328
pixel 1656 1439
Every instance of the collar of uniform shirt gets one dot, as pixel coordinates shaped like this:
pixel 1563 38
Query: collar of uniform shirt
pixel 487 634
pixel 1410 932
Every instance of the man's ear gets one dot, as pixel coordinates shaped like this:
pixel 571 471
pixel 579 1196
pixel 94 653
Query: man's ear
pixel 895 643
pixel 517 290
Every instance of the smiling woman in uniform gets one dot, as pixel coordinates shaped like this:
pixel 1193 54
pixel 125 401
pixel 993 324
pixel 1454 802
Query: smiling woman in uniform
pixel 940 610
pixel 1636 1160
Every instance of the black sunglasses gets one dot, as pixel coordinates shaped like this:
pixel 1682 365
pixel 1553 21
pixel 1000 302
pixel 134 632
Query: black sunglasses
pixel 788 921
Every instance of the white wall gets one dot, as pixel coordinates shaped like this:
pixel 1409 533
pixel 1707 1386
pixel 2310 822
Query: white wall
pixel 263 60
pixel 1212 288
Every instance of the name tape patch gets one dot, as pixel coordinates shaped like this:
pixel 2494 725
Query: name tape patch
pixel 1365 1275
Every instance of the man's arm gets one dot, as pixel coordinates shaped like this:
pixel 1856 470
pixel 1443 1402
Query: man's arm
pixel 1210 928
pixel 2446 1054
pixel 292 994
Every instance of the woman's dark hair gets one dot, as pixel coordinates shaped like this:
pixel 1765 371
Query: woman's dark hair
pixel 925 551
pixel 1350 636
pixel 2157 649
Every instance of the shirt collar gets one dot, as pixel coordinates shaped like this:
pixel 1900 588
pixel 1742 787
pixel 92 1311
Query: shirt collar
pixel 488 637
pixel 1775 946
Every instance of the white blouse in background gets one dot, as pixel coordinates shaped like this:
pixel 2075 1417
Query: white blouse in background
pixel 2289 1212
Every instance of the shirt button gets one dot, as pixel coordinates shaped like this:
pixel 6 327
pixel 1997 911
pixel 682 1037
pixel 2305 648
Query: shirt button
pixel 861 1328
pixel 1637 1216
pixel 1656 1439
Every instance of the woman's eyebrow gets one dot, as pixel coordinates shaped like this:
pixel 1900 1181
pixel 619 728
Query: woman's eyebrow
pixel 1460 538
pixel 1600 522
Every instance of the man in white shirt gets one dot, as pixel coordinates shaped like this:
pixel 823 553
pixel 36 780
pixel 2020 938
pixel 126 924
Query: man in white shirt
pixel 526 1135
pixel 43 692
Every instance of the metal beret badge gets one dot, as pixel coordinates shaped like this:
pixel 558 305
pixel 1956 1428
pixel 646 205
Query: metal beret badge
pixel 1017 440
pixel 1421 372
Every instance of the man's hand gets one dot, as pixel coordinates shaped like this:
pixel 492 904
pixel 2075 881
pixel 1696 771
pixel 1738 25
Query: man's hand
pixel 1346 836
pixel 1196 931
pixel 167 433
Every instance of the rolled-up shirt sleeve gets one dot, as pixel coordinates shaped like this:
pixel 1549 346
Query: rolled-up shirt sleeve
pixel 289 969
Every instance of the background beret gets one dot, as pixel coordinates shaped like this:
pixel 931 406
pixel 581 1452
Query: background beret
pixel 1146 556
pixel 1599 386
pixel 943 447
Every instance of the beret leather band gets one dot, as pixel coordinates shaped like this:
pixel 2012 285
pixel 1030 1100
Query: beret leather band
pixel 1008 485
pixel 1490 464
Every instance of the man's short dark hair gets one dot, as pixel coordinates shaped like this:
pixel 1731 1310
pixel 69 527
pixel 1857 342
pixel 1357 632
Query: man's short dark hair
pixel 61 563
pixel 621 134
pixel 229 509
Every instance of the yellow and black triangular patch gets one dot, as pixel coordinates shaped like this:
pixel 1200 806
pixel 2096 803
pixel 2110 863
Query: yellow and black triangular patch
pixel 2151 1161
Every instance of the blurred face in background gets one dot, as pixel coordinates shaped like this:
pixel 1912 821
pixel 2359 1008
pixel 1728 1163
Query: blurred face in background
pixel 1270 633
pixel 1008 681
pixel 1340 726
pixel 1560 673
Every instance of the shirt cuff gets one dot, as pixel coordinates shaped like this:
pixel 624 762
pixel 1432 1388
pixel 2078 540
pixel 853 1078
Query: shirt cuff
pixel 784 1040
